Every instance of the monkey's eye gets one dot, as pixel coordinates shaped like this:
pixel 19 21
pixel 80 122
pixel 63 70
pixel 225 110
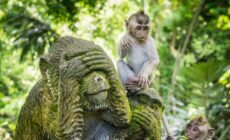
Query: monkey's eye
pixel 145 27
pixel 195 129
pixel 138 27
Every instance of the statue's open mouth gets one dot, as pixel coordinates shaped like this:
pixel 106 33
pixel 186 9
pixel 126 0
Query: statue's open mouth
pixel 97 92
pixel 97 100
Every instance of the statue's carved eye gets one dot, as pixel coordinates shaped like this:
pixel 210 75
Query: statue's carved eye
pixel 98 79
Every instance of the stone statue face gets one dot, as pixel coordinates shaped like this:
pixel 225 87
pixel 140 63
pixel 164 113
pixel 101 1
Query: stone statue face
pixel 77 77
pixel 95 91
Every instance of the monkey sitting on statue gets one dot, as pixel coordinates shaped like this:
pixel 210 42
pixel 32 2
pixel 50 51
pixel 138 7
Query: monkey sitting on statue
pixel 139 48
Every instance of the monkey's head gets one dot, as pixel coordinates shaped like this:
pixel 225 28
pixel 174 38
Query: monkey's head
pixel 138 26
pixel 199 129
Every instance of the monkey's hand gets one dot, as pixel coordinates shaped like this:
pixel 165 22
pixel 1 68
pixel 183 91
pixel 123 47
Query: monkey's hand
pixel 126 44
pixel 142 81
pixel 132 84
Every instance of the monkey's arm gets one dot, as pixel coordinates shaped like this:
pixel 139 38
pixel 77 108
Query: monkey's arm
pixel 119 113
pixel 122 53
pixel 124 45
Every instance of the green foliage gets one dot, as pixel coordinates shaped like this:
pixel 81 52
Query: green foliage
pixel 218 110
pixel 201 83
pixel 202 86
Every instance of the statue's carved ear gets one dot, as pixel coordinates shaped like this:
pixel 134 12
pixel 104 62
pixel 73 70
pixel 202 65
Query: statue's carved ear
pixel 211 132
pixel 44 65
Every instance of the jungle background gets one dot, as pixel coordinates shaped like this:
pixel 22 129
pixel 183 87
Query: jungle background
pixel 192 36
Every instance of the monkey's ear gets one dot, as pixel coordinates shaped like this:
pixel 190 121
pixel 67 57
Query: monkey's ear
pixel 142 12
pixel 189 126
pixel 126 23
pixel 211 132
pixel 44 65
pixel 201 119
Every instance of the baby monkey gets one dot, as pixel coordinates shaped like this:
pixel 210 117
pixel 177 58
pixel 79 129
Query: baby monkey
pixel 199 129
pixel 139 50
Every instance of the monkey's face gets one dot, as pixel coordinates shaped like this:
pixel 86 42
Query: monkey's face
pixel 95 91
pixel 141 32
pixel 139 28
pixel 195 131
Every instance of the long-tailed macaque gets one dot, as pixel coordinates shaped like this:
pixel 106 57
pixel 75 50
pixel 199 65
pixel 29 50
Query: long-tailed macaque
pixel 139 49
pixel 199 129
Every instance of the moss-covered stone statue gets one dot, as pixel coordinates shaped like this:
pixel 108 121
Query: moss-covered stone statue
pixel 78 82
pixel 80 97
pixel 147 109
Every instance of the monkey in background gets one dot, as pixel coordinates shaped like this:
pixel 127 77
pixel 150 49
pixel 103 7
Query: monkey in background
pixel 139 50
pixel 197 129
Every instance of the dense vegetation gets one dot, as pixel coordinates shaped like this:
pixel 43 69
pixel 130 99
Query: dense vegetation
pixel 192 40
